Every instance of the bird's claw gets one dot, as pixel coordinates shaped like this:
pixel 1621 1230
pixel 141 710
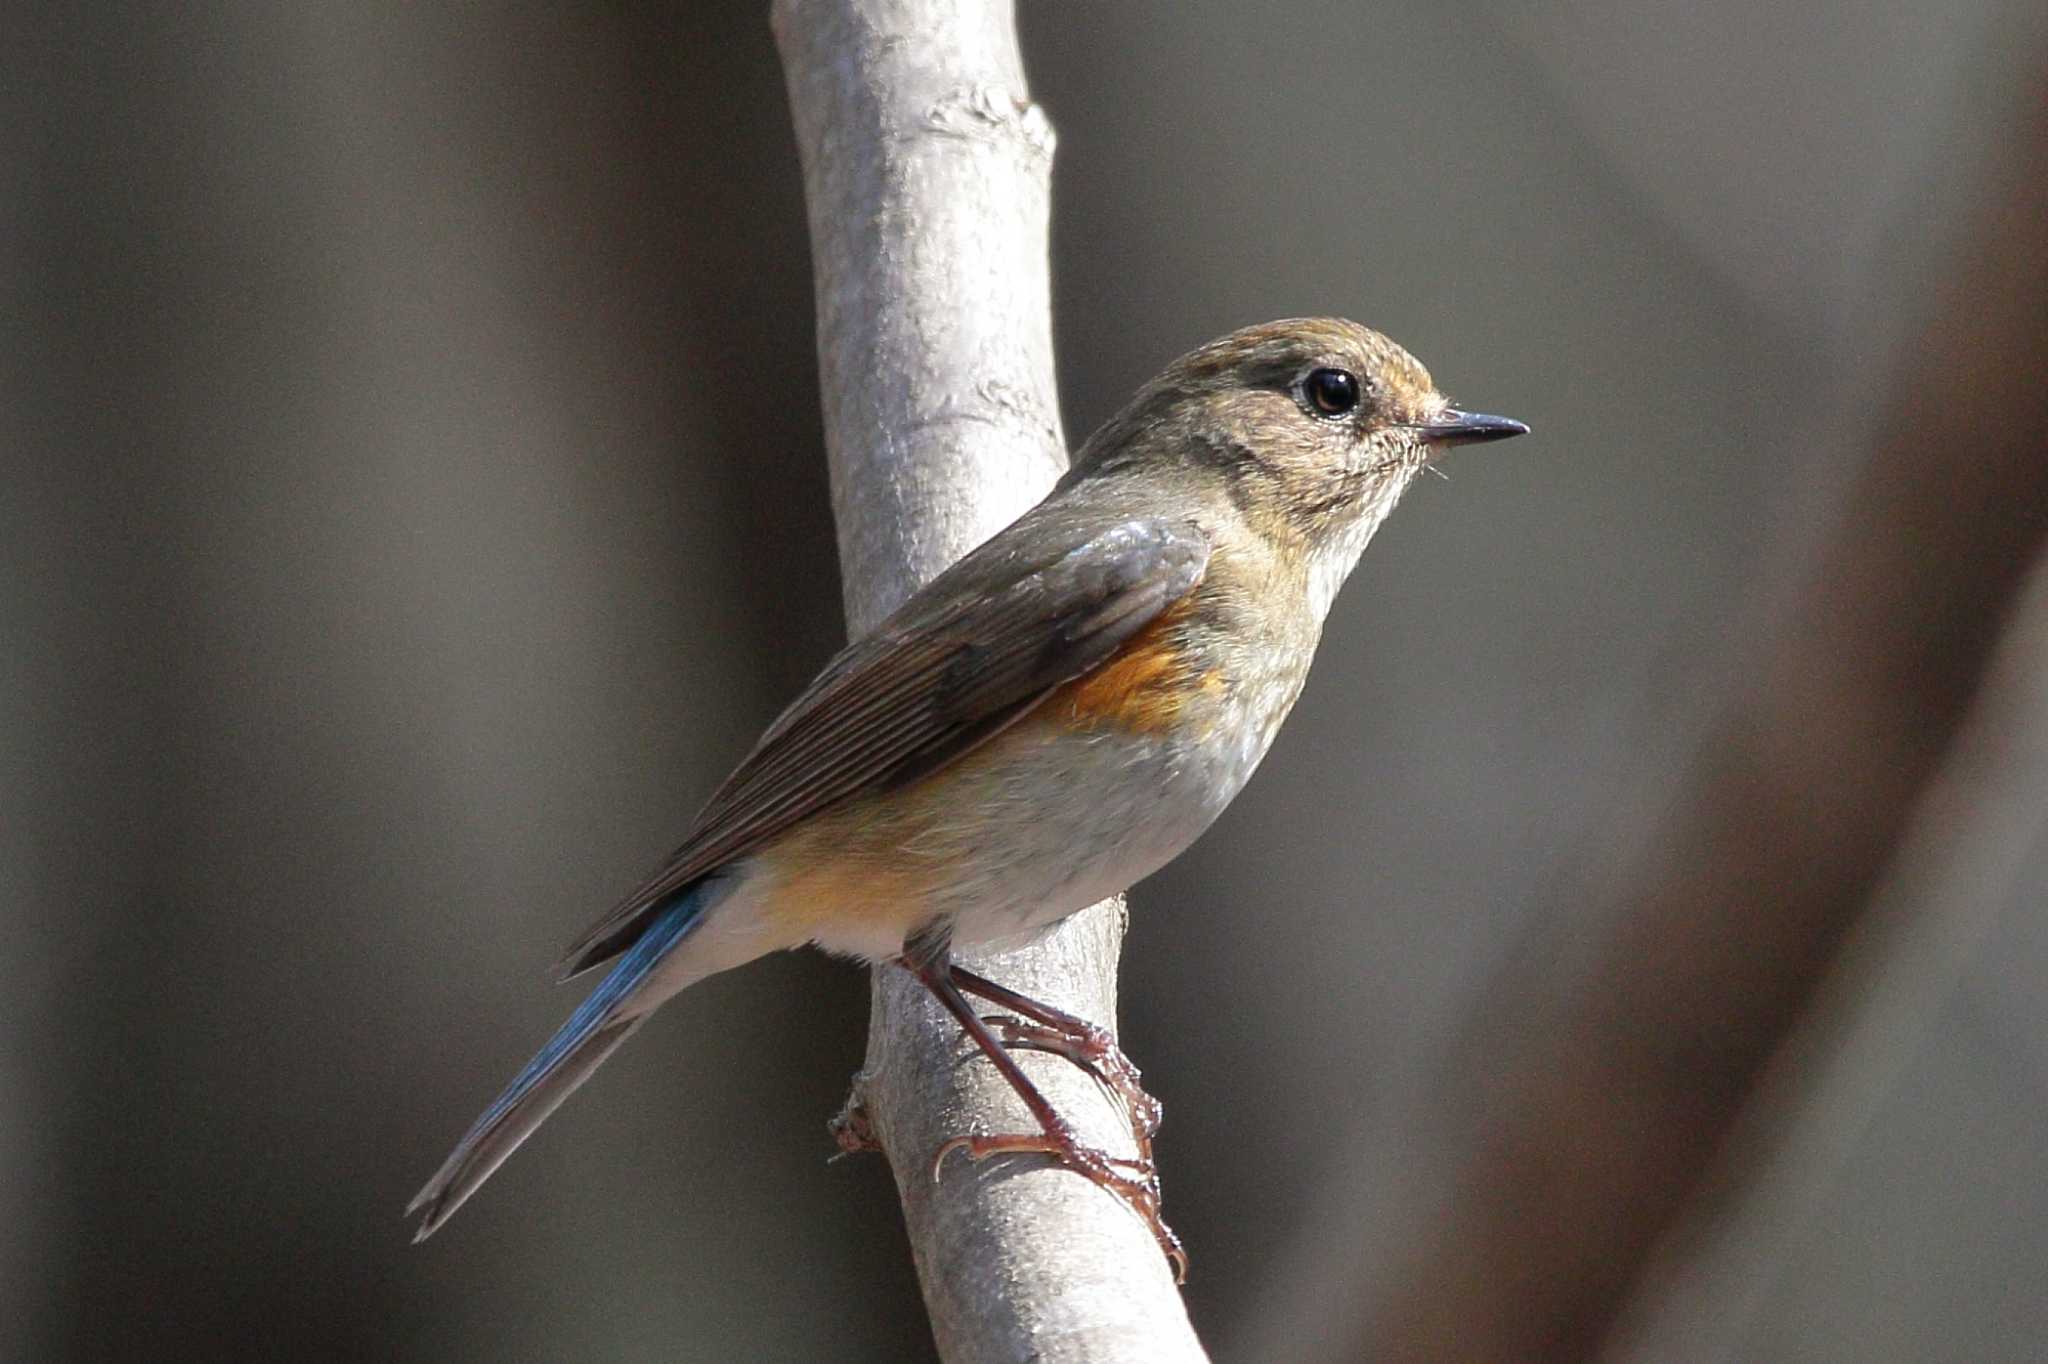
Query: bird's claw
pixel 1139 1190
pixel 1095 1051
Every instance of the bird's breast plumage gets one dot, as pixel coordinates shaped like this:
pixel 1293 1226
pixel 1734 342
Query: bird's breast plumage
pixel 1110 777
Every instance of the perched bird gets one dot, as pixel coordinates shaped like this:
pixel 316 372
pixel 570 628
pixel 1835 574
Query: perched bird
pixel 1053 718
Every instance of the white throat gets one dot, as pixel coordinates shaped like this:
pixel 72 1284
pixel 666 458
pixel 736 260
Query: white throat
pixel 1331 562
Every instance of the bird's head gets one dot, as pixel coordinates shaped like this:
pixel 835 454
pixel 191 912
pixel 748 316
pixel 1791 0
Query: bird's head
pixel 1309 428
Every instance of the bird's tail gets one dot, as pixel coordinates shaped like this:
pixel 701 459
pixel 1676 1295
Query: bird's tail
pixel 608 1017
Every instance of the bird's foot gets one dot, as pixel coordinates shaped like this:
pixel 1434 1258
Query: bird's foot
pixel 1095 1051
pixel 1138 1189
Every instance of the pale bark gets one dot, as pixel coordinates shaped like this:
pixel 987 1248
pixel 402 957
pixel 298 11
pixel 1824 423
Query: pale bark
pixel 926 172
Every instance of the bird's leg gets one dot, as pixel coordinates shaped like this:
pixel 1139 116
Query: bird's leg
pixel 1063 1034
pixel 1056 1137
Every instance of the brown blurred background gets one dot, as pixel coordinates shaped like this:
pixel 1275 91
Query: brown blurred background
pixel 414 502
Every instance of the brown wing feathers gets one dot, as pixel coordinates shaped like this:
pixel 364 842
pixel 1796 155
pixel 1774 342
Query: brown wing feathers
pixel 972 653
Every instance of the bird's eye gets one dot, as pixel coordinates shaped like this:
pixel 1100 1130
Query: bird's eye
pixel 1332 392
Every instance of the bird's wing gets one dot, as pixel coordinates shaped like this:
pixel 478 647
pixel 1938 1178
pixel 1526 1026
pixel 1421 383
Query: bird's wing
pixel 967 656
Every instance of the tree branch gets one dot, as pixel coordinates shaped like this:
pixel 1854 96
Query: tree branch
pixel 926 172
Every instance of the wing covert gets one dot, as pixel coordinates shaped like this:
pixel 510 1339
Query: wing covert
pixel 970 654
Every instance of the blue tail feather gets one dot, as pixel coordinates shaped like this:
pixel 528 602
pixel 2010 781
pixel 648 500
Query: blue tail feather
pixel 599 1024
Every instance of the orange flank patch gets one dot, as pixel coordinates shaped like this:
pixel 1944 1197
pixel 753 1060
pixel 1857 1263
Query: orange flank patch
pixel 848 868
pixel 1144 687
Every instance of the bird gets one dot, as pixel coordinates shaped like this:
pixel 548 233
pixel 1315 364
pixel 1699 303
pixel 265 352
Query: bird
pixel 1051 719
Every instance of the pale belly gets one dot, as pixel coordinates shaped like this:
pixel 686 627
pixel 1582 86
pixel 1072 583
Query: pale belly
pixel 1034 825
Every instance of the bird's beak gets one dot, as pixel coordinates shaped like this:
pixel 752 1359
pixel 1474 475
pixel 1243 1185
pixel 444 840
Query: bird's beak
pixel 1452 427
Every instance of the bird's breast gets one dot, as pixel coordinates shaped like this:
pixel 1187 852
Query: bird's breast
pixel 1231 655
pixel 1110 777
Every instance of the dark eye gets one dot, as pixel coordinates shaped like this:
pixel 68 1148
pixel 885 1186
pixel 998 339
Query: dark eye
pixel 1332 392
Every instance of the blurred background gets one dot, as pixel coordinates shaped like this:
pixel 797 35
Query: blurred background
pixel 414 503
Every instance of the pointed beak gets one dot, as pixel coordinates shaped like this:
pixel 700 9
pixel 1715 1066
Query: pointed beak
pixel 1452 427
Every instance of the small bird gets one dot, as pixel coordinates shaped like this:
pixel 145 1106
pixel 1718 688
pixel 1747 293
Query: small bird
pixel 1053 718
